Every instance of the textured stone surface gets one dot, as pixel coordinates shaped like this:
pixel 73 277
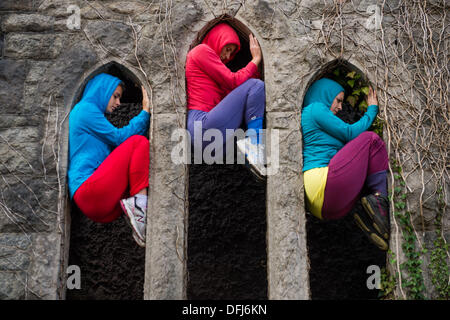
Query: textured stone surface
pixel 33 46
pixel 27 22
pixel 166 222
pixel 13 75
pixel 17 5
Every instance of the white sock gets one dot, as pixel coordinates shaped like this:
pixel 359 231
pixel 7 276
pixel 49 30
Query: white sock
pixel 141 200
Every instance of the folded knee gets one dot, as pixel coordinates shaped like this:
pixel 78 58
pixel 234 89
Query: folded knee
pixel 138 140
pixel 256 83
pixel 370 135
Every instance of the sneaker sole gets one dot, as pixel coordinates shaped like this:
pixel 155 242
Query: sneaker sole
pixel 135 236
pixel 253 169
pixel 131 220
pixel 373 237
pixel 138 240
pixel 381 229
pixel 256 173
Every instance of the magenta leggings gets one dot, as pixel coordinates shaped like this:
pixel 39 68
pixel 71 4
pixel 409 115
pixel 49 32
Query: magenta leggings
pixel 348 171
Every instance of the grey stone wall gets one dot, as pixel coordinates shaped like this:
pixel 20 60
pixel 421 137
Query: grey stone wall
pixel 44 64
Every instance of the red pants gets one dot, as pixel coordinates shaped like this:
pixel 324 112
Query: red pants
pixel 121 175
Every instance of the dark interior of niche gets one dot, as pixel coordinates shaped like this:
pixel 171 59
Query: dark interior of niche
pixel 339 252
pixel 112 265
pixel 227 222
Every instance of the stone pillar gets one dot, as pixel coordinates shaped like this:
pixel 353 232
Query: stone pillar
pixel 165 275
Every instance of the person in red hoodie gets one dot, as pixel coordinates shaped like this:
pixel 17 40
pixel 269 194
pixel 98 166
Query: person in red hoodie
pixel 218 98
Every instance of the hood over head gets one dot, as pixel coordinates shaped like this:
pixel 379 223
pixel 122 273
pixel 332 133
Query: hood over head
pixel 221 35
pixel 324 91
pixel 100 89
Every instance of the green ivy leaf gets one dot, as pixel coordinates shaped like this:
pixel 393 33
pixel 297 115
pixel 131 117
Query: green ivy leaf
pixel 336 72
pixel 351 75
pixel 356 92
pixel 363 105
pixel 351 100
pixel 365 90
pixel 351 83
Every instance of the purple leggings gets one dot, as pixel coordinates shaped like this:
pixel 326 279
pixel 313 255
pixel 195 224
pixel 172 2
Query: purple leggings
pixel 359 161
pixel 247 102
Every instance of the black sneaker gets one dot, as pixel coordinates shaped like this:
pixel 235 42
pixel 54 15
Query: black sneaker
pixel 365 223
pixel 377 207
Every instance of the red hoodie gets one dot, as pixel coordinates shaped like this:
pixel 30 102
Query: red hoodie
pixel 208 78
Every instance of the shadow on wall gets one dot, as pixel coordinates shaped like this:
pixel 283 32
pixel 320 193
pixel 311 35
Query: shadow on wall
pixel 112 264
pixel 339 252
pixel 227 217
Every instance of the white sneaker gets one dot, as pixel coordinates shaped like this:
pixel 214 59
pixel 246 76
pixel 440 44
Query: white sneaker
pixel 255 155
pixel 137 218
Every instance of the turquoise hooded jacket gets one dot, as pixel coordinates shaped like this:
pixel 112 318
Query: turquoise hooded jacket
pixel 324 134
pixel 91 136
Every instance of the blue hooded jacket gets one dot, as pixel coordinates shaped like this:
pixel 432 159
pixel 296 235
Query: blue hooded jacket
pixel 91 136
pixel 324 134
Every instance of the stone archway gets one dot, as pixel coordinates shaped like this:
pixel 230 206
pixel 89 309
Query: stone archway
pixel 112 266
pixel 227 257
pixel 339 253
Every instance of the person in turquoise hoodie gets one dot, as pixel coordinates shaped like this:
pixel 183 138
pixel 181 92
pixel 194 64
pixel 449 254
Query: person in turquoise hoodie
pixel 340 159
pixel 108 166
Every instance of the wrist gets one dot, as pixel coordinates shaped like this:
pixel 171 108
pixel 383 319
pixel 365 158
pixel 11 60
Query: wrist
pixel 256 61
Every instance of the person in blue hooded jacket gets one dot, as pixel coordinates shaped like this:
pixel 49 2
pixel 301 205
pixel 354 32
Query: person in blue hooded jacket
pixel 339 159
pixel 109 167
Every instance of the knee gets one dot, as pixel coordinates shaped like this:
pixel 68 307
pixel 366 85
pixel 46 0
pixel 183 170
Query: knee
pixel 370 136
pixel 138 140
pixel 256 83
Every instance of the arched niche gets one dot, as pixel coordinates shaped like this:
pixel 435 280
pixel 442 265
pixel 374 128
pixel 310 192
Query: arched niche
pixel 339 252
pixel 112 265
pixel 226 248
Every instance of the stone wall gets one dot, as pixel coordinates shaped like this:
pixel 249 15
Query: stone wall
pixel 44 65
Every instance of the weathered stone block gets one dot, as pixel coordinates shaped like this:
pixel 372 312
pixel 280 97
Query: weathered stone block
pixel 290 144
pixel 46 265
pixel 21 158
pixel 33 46
pixel 11 84
pixel 13 260
pixel 113 36
pixel 12 285
pixel 28 206
pixel 27 22
pixel 58 8
pixel 16 5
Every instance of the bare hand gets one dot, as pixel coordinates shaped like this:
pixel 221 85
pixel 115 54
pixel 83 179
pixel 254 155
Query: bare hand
pixel 145 101
pixel 372 97
pixel 255 49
